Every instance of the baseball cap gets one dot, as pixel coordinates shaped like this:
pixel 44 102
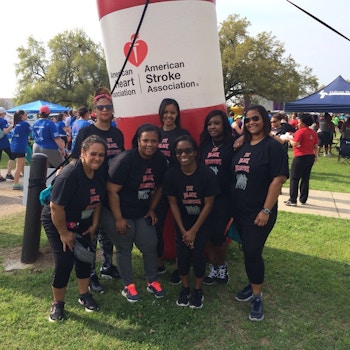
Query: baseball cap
pixel 2 110
pixel 44 109
pixel 83 249
pixel 237 117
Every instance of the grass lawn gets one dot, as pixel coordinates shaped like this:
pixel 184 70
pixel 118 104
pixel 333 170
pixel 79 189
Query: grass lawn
pixel 307 259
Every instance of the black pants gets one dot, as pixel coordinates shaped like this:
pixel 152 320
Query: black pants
pixel 300 172
pixel 64 261
pixel 185 255
pixel 253 242
pixel 162 211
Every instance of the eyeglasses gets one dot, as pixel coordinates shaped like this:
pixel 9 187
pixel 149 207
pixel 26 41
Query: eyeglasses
pixel 273 121
pixel 102 107
pixel 179 151
pixel 254 118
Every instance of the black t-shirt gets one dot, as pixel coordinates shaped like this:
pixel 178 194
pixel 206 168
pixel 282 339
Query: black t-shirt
pixel 219 159
pixel 254 168
pixel 190 191
pixel 77 193
pixel 166 144
pixel 139 178
pixel 113 136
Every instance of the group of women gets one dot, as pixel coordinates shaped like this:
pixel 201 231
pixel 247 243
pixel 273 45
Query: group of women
pixel 204 186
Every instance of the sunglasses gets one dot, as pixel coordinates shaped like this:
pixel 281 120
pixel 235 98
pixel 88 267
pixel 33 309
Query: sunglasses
pixel 254 118
pixel 102 107
pixel 179 151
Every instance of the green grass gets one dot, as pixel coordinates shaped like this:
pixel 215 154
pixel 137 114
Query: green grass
pixel 307 259
pixel 306 300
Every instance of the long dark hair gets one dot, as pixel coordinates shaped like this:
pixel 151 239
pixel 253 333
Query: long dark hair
pixel 143 128
pixel 266 121
pixel 166 102
pixel 17 117
pixel 227 131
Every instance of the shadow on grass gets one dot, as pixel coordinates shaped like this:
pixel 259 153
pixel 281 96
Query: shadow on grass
pixel 306 307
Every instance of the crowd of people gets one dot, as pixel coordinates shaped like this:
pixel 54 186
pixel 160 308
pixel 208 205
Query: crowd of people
pixel 121 198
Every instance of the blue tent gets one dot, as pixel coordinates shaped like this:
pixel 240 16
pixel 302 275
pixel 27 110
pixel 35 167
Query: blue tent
pixel 335 97
pixel 33 107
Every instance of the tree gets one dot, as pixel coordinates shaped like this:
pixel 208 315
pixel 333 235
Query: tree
pixel 67 74
pixel 259 66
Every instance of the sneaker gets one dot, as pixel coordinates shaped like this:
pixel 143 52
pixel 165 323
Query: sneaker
pixel 95 285
pixel 17 187
pixel 290 204
pixel 256 309
pixel 56 311
pixel 245 294
pixel 175 277
pixel 2 179
pixel 9 177
pixel 156 289
pixel 130 293
pixel 110 272
pixel 222 274
pixel 196 301
pixel 161 270
pixel 210 278
pixel 184 297
pixel 88 301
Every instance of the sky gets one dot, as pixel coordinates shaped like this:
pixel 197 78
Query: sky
pixel 310 43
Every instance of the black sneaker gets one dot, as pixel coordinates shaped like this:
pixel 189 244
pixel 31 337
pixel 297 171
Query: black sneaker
pixel 222 274
pixel 2 179
pixel 95 285
pixel 197 298
pixel 184 297
pixel 245 294
pixel 256 309
pixel 209 279
pixel 161 270
pixel 110 272
pixel 175 277
pixel 9 177
pixel 88 301
pixel 56 311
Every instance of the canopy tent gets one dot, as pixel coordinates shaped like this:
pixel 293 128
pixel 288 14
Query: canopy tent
pixel 33 107
pixel 335 97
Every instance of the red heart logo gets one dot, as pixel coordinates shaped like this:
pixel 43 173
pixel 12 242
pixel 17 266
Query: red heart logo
pixel 138 52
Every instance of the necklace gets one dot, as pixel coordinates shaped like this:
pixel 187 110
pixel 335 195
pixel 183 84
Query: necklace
pixel 214 145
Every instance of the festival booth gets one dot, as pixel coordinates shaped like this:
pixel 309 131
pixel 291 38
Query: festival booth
pixel 335 98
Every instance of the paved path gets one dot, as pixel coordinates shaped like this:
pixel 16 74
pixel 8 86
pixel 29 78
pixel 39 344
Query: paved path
pixel 325 203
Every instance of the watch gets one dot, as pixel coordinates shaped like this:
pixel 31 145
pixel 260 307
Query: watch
pixel 266 211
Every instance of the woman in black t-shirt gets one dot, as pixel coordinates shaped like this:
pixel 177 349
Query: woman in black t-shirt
pixel 216 150
pixel 134 190
pixel 191 189
pixel 169 115
pixel 259 167
pixel 75 205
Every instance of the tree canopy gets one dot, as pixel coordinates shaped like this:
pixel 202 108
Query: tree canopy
pixel 258 66
pixel 67 74
pixel 69 69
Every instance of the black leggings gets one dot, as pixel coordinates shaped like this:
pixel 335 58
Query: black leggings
pixel 253 241
pixel 64 261
pixel 185 255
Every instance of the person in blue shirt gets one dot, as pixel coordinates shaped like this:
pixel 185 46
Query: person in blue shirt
pixel 62 128
pixel 81 122
pixel 19 144
pixel 47 139
pixel 5 129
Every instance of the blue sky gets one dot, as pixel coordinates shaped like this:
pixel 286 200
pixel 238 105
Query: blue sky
pixel 309 43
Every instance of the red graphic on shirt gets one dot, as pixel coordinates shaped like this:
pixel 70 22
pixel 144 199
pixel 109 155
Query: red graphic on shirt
pixel 138 52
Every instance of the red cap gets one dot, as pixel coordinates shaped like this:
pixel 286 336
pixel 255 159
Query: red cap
pixel 44 109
